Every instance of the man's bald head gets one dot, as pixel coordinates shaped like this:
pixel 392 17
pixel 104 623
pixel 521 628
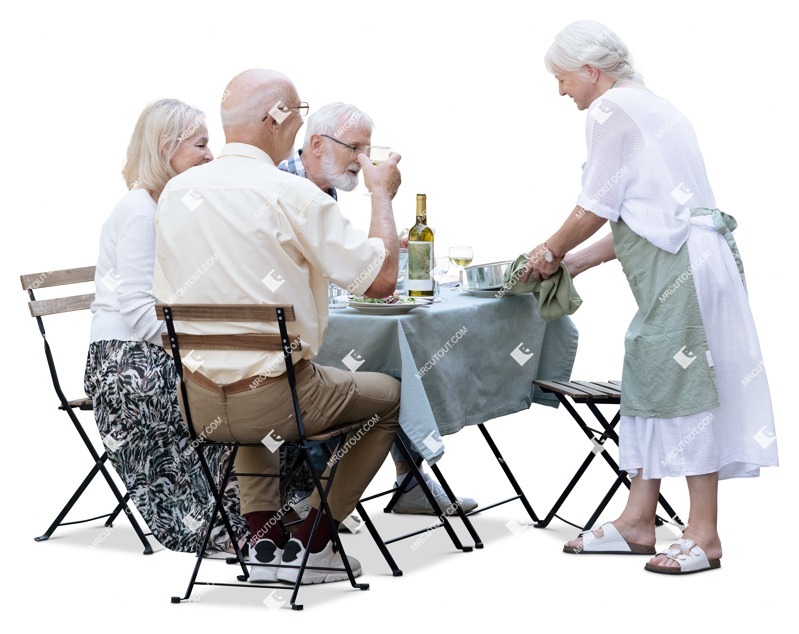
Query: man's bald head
pixel 250 95
pixel 246 117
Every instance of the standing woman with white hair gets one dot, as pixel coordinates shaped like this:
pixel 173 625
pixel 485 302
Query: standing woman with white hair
pixel 131 379
pixel 692 404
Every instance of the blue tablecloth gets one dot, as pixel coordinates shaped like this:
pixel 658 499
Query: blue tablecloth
pixel 462 361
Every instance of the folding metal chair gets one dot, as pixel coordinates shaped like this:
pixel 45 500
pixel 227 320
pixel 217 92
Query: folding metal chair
pixel 316 450
pixel 593 394
pixel 459 512
pixel 503 464
pixel 395 493
pixel 40 309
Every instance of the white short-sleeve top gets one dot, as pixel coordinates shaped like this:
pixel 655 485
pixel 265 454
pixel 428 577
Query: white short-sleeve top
pixel 644 166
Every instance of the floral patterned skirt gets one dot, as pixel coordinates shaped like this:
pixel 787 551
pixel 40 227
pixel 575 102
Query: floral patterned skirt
pixel 133 387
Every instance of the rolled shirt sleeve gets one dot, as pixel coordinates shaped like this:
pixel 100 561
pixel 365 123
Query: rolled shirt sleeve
pixel 344 254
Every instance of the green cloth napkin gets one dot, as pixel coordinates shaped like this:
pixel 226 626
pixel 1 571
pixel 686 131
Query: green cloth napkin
pixel 556 296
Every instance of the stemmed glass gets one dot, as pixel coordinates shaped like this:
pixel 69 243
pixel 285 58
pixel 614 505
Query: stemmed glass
pixel 461 257
pixel 440 270
pixel 377 154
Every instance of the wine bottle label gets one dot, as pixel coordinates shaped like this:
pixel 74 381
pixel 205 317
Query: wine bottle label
pixel 420 266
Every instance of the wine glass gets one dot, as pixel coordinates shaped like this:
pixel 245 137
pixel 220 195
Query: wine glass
pixel 440 270
pixel 461 257
pixel 377 154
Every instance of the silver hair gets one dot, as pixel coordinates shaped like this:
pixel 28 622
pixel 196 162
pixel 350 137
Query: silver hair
pixel 593 44
pixel 335 119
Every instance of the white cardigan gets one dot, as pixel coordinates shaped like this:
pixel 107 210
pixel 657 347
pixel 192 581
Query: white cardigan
pixel 123 306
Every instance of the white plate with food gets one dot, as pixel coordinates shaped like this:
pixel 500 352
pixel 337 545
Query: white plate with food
pixel 394 305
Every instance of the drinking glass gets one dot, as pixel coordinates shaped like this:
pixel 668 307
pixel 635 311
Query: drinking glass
pixel 377 154
pixel 441 273
pixel 336 297
pixel 402 271
pixel 461 257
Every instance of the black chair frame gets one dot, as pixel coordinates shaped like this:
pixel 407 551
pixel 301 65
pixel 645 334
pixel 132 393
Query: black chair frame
pixel 40 309
pixel 313 449
pixel 592 394
pixel 459 512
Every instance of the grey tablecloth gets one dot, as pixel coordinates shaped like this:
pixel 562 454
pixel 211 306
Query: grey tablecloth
pixel 462 361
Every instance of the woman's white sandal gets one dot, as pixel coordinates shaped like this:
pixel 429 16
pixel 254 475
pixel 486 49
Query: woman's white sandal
pixel 689 555
pixel 606 540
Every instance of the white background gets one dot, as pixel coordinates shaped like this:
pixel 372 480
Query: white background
pixel 460 90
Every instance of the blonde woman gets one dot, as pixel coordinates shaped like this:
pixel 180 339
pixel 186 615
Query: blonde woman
pixel 130 378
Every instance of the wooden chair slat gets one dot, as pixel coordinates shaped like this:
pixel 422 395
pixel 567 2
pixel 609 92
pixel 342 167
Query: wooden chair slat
pixel 81 403
pixel 565 387
pixel 42 307
pixel 580 388
pixel 607 392
pixel 578 391
pixel 57 278
pixel 616 386
pixel 225 312
pixel 548 386
pixel 253 342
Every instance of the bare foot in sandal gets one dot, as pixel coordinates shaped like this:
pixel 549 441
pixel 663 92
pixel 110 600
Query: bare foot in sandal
pixel 617 537
pixel 708 542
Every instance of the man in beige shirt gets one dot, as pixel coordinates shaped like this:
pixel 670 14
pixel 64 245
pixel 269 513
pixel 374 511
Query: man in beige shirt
pixel 239 230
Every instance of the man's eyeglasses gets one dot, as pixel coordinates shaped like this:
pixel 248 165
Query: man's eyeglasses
pixel 302 109
pixel 353 148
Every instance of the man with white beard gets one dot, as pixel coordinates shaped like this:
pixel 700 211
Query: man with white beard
pixel 334 137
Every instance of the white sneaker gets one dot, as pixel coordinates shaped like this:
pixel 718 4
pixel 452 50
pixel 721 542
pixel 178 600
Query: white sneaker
pixel 326 558
pixel 265 551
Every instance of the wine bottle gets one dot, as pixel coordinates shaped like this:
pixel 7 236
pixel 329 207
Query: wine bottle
pixel 419 280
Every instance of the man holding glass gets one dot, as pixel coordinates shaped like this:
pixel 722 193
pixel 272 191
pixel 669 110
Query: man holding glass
pixel 276 239
pixel 336 136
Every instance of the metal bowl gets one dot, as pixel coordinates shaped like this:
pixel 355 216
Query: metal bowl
pixel 486 277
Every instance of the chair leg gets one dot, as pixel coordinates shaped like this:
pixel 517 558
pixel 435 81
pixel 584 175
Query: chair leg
pixel 610 429
pixel 609 432
pixel 566 492
pixel 478 542
pixel 395 570
pixel 148 550
pixel 670 512
pixel 325 509
pixel 620 479
pixel 115 513
pixel 219 510
pixel 122 504
pixel 193 580
pixel 508 473
pixel 417 474
pixel 75 496
pixel 99 462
